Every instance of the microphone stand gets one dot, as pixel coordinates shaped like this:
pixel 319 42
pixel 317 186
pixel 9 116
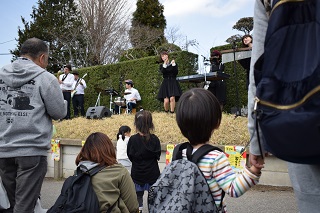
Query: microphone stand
pixel 205 71
pixel 234 47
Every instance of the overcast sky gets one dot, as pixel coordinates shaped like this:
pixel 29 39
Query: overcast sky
pixel 209 22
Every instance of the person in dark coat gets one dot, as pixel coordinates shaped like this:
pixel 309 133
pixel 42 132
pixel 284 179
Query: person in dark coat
pixel 170 90
pixel 218 88
pixel 144 151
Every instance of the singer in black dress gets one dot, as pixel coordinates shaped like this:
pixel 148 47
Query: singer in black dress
pixel 170 90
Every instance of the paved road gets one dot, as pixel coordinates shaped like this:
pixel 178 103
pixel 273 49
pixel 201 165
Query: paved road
pixel 262 199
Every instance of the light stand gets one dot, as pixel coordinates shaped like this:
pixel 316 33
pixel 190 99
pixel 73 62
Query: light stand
pixel 110 101
pixel 234 47
pixel 98 100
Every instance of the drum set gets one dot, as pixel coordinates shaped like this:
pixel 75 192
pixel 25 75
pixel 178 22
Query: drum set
pixel 121 102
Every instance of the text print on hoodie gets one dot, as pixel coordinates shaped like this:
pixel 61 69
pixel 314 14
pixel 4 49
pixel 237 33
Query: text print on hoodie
pixel 30 97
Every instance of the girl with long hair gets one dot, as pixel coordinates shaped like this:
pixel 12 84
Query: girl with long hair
pixel 144 152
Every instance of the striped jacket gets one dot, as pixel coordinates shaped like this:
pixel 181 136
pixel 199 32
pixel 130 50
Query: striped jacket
pixel 220 176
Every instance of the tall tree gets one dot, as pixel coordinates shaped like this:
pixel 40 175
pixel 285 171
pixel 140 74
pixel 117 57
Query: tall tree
pixel 148 22
pixel 107 28
pixel 244 25
pixel 59 23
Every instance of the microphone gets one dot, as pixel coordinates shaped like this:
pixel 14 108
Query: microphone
pixel 204 58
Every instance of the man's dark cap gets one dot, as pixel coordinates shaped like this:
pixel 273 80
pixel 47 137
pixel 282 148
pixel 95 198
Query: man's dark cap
pixel 75 73
pixel 129 81
pixel 68 66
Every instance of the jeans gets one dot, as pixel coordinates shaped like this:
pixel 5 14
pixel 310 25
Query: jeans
pixel 130 106
pixel 22 178
pixel 305 180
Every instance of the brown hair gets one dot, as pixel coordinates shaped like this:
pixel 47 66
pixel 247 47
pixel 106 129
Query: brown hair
pixel 161 54
pixel 98 148
pixel 143 123
pixel 198 115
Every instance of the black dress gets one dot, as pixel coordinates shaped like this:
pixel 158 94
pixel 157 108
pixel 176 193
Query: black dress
pixel 170 86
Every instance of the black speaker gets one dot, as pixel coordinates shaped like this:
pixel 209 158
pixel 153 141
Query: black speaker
pixel 98 112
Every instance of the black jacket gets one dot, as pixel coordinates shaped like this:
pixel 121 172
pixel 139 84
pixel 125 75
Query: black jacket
pixel 144 156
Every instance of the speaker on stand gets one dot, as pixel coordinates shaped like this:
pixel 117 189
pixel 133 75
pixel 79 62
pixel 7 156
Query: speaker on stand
pixel 98 112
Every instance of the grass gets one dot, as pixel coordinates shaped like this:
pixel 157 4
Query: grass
pixel 232 131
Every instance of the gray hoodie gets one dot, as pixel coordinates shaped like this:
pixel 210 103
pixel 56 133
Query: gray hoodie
pixel 259 33
pixel 30 97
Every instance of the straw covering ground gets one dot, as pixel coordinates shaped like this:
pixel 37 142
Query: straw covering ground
pixel 232 131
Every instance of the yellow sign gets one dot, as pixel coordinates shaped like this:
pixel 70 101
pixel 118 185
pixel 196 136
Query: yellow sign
pixel 55 150
pixel 237 161
pixel 169 153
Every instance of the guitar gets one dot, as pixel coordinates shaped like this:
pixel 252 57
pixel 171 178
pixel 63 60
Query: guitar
pixel 74 91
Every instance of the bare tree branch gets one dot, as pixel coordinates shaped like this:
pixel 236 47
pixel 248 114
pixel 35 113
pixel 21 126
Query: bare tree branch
pixel 106 22
pixel 172 34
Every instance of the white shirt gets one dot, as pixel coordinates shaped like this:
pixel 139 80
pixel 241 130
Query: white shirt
pixel 80 88
pixel 68 81
pixel 134 94
pixel 122 147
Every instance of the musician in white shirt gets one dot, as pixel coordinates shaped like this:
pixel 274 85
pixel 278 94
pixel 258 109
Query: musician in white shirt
pixel 131 95
pixel 79 85
pixel 66 80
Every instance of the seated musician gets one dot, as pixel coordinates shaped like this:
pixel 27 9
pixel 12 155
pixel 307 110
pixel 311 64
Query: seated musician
pixel 218 88
pixel 131 95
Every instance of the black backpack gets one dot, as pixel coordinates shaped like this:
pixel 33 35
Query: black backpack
pixel 287 76
pixel 181 186
pixel 77 194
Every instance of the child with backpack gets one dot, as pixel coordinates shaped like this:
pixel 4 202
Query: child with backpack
pixel 144 152
pixel 122 143
pixel 198 115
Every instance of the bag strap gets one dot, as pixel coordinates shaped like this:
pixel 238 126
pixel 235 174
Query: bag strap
pixel 95 170
pixel 91 171
pixel 256 125
pixel 198 154
pixel 177 151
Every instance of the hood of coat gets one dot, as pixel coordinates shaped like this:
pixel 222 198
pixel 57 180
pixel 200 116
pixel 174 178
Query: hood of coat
pixel 20 72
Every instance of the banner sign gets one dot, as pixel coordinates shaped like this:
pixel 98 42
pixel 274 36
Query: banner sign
pixel 237 161
pixel 55 150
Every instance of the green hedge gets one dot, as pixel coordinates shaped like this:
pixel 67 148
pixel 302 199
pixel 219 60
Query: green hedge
pixel 144 73
pixel 147 79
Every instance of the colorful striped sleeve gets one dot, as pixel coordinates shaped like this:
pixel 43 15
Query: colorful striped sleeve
pixel 220 176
